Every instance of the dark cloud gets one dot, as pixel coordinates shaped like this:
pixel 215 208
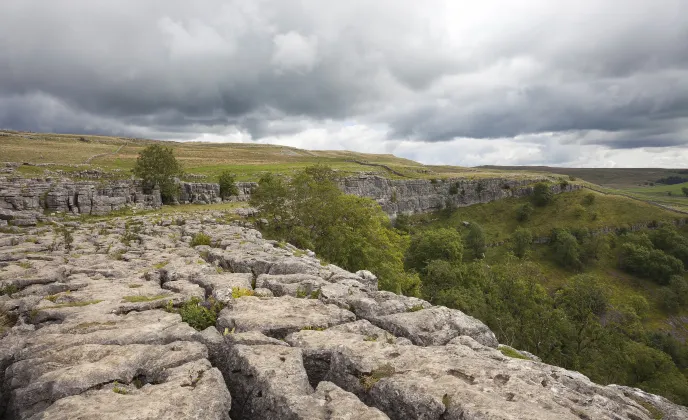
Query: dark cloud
pixel 613 73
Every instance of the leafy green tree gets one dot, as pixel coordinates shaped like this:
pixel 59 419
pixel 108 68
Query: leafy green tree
pixel 567 251
pixel 685 191
pixel 352 232
pixel 228 186
pixel 584 301
pixel 669 240
pixel 157 166
pixel 475 241
pixel 521 241
pixel 650 263
pixel 542 194
pixel 524 212
pixel 434 244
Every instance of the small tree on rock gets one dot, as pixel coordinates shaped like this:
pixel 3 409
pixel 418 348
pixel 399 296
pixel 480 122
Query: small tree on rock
pixel 156 165
pixel 228 186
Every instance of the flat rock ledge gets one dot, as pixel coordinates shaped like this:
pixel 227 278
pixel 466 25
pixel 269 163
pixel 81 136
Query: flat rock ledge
pixel 96 335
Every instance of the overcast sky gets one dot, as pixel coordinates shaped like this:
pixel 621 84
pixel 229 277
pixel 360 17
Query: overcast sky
pixel 513 82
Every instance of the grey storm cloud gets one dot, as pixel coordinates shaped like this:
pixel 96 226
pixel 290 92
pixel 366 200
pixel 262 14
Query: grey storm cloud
pixel 613 73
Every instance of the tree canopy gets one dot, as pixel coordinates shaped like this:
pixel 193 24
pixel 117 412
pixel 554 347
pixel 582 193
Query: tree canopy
pixel 157 166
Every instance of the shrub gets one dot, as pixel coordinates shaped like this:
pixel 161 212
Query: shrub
pixel 454 188
pixel 434 244
pixel 524 212
pixel 199 314
pixel 567 251
pixel 578 211
pixel 521 241
pixel 475 240
pixel 542 194
pixel 228 186
pixel 200 239
pixel 589 199
pixel 157 166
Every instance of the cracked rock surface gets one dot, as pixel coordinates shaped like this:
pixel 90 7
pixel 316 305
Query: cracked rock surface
pixel 97 334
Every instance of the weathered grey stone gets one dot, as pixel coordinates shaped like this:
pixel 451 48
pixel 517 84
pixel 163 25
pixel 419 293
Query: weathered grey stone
pixel 298 285
pixel 436 326
pixel 278 317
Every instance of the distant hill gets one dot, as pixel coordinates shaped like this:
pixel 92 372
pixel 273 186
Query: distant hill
pixel 608 177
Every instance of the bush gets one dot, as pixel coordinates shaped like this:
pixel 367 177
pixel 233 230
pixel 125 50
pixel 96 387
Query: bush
pixel 454 188
pixel 200 239
pixel 521 241
pixel 567 251
pixel 578 211
pixel 524 212
pixel 228 186
pixel 542 194
pixel 353 232
pixel 653 264
pixel 475 240
pixel 589 199
pixel 434 244
pixel 199 314
pixel 157 166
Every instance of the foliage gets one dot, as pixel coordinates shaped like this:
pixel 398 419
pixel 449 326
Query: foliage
pixel 684 190
pixel 200 239
pixel 239 292
pixel 198 313
pixel 521 241
pixel 567 250
pixel 475 241
pixel 156 165
pixel 228 186
pixel 651 263
pixel 353 232
pixel 672 180
pixel 542 194
pixel 524 212
pixel 589 199
pixel 434 244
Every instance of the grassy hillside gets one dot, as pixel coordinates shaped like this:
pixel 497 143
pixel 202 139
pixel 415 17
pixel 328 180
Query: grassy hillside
pixel 499 218
pixel 247 160
pixel 609 177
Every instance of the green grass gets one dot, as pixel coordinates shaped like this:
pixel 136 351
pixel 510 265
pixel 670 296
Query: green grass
pixel 509 352
pixel 73 304
pixel 660 194
pixel 498 218
pixel 247 160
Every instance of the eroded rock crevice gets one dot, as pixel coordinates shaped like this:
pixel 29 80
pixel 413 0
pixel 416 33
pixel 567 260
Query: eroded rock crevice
pixel 98 335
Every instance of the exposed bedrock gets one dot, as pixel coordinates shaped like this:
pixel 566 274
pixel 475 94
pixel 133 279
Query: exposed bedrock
pixel 98 336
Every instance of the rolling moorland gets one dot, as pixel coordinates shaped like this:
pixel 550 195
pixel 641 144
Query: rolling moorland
pixel 517 264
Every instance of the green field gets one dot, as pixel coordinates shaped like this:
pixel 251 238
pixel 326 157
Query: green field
pixel 117 156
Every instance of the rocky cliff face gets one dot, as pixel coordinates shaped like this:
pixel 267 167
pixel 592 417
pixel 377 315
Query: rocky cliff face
pixel 97 337
pixel 206 193
pixel 422 196
pixel 23 200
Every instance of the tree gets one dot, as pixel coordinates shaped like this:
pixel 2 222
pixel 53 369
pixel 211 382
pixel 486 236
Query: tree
pixel 567 251
pixel 475 240
pixel 349 231
pixel 521 241
pixel 542 194
pixel 584 301
pixel 434 244
pixel 685 191
pixel 157 166
pixel 228 186
pixel 524 212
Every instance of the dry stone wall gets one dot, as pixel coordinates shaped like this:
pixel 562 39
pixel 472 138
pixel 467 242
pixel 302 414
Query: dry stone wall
pixel 97 337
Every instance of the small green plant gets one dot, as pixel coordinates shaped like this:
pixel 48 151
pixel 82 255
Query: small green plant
pixel 454 188
pixel 393 199
pixel 384 371
pixel 301 293
pixel 119 390
pixel 315 294
pixel 160 265
pixel 311 328
pixel 73 304
pixel 52 298
pixel 197 313
pixel 200 239
pixel 135 286
pixel 415 308
pixel 509 352
pixel 240 292
pixel 370 338
pixel 8 290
